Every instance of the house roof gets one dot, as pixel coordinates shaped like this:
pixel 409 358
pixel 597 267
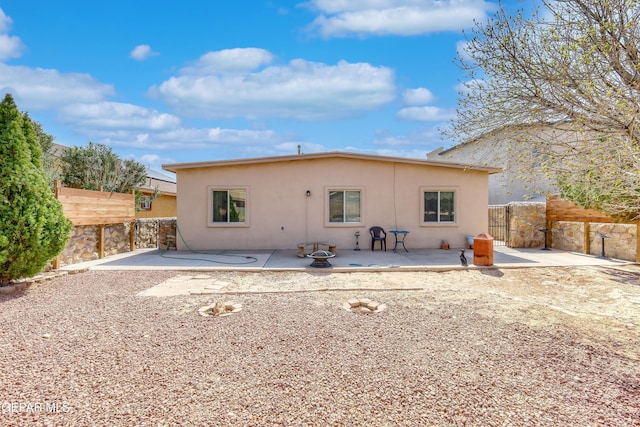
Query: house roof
pixel 154 174
pixel 157 180
pixel 174 167
pixel 513 129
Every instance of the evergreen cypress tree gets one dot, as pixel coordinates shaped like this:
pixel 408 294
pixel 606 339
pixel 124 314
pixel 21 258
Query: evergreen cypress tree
pixel 33 229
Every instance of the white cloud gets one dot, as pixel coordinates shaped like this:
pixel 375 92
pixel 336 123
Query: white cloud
pixel 39 89
pixel 154 161
pixel 5 22
pixel 182 138
pixel 116 115
pixel 424 114
pixel 462 50
pixel 301 90
pixel 10 46
pixel 464 88
pixel 343 18
pixel 238 60
pixel 419 96
pixel 142 52
pixel 414 144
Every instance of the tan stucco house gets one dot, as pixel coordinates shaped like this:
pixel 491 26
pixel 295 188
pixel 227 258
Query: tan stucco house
pixel 158 196
pixel 278 202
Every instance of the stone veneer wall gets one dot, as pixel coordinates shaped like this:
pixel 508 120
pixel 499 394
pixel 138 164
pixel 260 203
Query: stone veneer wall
pixel 82 245
pixel 83 241
pixel 621 243
pixel 147 233
pixel 567 236
pixel 526 219
pixel 167 234
pixel 155 233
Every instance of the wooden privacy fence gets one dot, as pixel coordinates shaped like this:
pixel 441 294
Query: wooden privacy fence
pixel 87 207
pixel 564 210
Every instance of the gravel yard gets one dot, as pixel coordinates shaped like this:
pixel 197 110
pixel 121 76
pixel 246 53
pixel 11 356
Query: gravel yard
pixel 513 347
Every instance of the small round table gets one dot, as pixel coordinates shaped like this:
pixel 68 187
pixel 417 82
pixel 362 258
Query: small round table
pixel 403 234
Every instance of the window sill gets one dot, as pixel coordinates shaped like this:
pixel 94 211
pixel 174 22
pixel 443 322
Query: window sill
pixel 343 224
pixel 228 225
pixel 439 224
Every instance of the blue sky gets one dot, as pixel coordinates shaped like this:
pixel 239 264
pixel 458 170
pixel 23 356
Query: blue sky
pixel 166 81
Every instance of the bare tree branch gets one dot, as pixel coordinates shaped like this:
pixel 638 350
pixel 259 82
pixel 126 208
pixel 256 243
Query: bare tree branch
pixel 573 65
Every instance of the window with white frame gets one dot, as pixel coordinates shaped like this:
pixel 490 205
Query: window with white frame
pixel 145 203
pixel 228 206
pixel 344 206
pixel 439 206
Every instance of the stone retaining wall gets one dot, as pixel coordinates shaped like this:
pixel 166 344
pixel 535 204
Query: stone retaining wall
pixel 83 241
pixel 82 245
pixel 526 219
pixel 621 243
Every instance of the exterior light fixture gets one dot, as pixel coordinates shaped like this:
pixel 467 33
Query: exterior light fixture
pixel 308 193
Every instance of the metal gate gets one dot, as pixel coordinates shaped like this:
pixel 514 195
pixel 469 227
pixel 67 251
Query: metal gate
pixel 499 224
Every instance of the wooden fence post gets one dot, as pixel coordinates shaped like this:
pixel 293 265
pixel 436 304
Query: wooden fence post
pixel 637 241
pixel 100 241
pixel 132 236
pixel 587 238
pixel 132 228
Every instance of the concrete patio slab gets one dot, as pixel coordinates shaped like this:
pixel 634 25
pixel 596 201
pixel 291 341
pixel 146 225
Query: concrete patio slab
pixel 346 260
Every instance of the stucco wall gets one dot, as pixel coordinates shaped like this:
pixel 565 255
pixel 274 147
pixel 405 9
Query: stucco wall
pixel 280 214
pixel 162 206
pixel 521 178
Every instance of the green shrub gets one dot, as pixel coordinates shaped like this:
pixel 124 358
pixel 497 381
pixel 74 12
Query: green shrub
pixel 33 229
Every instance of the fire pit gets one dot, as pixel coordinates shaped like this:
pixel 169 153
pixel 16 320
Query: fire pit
pixel 321 258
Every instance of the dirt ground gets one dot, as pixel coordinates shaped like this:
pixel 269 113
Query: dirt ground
pixel 602 303
pixel 488 347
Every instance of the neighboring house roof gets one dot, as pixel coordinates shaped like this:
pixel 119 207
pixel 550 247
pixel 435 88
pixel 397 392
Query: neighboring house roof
pixel 326 155
pixel 518 150
pixel 154 174
pixel 164 183
pixel 512 130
